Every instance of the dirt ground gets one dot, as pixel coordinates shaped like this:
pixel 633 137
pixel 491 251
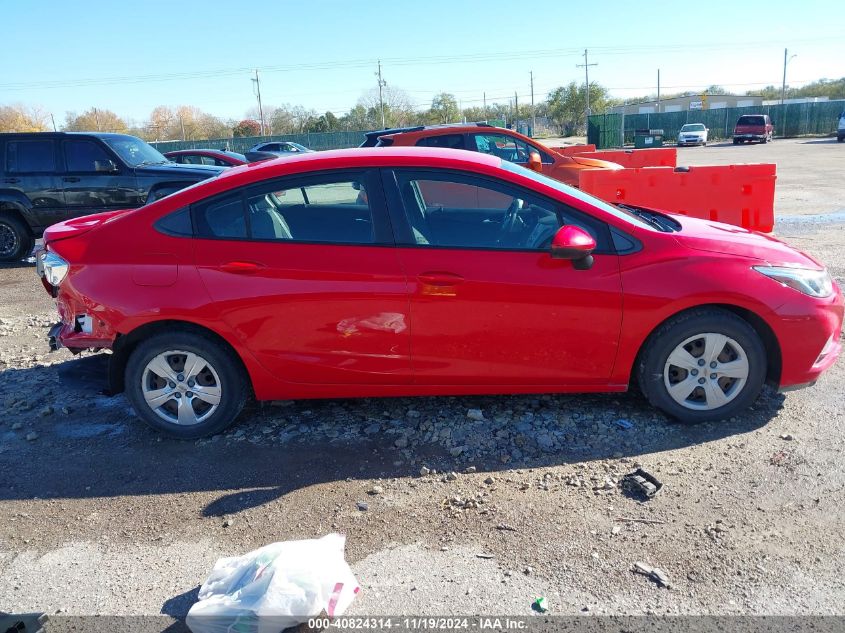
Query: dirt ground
pixel 103 516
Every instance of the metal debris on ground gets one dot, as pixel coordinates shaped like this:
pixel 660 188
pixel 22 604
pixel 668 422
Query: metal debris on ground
pixel 540 605
pixel 653 573
pixel 641 484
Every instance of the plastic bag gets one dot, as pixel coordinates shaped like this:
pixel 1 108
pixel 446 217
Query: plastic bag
pixel 274 587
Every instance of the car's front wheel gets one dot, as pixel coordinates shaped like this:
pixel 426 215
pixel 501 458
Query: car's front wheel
pixel 185 384
pixel 702 365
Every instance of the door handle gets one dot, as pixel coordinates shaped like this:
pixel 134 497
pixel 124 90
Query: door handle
pixel 13 180
pixel 71 179
pixel 439 279
pixel 242 268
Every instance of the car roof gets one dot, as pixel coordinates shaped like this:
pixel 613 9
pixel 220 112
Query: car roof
pixel 375 134
pixel 364 157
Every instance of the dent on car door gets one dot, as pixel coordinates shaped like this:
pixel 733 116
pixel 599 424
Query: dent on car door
pixel 307 276
pixel 488 303
pixel 30 171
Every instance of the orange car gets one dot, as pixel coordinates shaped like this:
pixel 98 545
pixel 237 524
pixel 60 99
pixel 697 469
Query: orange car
pixel 482 137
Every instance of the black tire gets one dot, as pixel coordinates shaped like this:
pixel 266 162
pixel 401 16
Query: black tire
pixel 663 341
pixel 736 141
pixel 233 383
pixel 839 139
pixel 16 241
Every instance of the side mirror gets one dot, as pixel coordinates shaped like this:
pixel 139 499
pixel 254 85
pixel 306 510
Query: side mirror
pixel 534 161
pixel 105 166
pixel 573 243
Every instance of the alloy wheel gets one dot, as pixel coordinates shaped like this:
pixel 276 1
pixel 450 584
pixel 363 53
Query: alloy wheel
pixel 706 371
pixel 9 240
pixel 181 387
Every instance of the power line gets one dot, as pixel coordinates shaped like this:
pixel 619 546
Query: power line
pixel 397 61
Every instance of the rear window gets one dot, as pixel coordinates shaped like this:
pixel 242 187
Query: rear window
pixel 30 157
pixel 751 120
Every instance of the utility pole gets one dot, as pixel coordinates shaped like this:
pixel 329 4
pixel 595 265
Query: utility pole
pixel 786 60
pixel 485 106
pixel 586 66
pixel 260 109
pixel 533 111
pixel 54 121
pixel 515 111
pixel 97 118
pixel 381 84
pixel 658 90
pixel 182 125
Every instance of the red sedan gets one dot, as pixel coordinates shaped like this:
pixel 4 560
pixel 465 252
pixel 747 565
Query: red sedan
pixel 371 272
pixel 219 157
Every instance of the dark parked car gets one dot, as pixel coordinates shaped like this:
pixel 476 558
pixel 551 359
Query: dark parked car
pixel 274 149
pixel 753 127
pixel 48 177
pixel 218 157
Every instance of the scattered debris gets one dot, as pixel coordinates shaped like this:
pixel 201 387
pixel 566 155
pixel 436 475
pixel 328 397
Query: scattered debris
pixel 469 469
pixel 452 476
pixel 540 605
pixel 485 556
pixel 636 520
pixel 615 530
pixel 505 527
pixel 527 571
pixel 623 423
pixel 17 426
pixel 489 480
pixel 424 470
pixel 402 442
pixel 31 436
pixel 228 523
pixel 375 490
pixel 363 506
pixel 653 573
pixel 787 437
pixel 475 414
pixel 641 484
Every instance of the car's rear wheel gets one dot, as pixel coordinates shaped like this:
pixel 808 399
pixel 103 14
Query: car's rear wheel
pixel 703 365
pixel 185 384
pixel 16 241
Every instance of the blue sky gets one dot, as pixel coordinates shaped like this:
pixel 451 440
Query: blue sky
pixel 132 56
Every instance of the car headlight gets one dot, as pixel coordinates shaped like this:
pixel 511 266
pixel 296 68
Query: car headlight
pixel 54 268
pixel 815 283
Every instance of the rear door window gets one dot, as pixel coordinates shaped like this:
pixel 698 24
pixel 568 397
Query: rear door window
pixel 33 157
pixel 505 147
pixel 449 141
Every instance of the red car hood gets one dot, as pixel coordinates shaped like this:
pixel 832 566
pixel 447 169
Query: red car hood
pixel 77 226
pixel 716 237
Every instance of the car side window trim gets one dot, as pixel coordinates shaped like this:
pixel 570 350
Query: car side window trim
pixel 404 233
pixel 102 146
pixel 57 158
pixel 382 230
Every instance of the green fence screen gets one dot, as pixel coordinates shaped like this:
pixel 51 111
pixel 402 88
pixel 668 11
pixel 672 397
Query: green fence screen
pixel 317 141
pixel 791 119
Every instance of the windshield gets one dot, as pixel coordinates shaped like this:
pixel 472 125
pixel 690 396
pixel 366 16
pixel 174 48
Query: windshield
pixel 693 127
pixel 134 151
pixel 613 210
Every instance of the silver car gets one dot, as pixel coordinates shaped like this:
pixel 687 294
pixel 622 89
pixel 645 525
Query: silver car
pixel 692 134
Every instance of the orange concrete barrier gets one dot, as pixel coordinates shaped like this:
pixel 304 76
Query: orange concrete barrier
pixel 655 157
pixel 569 150
pixel 742 195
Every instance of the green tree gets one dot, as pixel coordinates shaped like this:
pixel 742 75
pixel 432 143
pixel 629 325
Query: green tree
pixel 567 104
pixel 444 108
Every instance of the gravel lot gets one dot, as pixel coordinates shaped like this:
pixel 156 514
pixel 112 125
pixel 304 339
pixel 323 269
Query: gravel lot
pixel 102 516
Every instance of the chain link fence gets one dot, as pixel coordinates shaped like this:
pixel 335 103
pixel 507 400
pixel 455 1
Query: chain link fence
pixel 791 119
